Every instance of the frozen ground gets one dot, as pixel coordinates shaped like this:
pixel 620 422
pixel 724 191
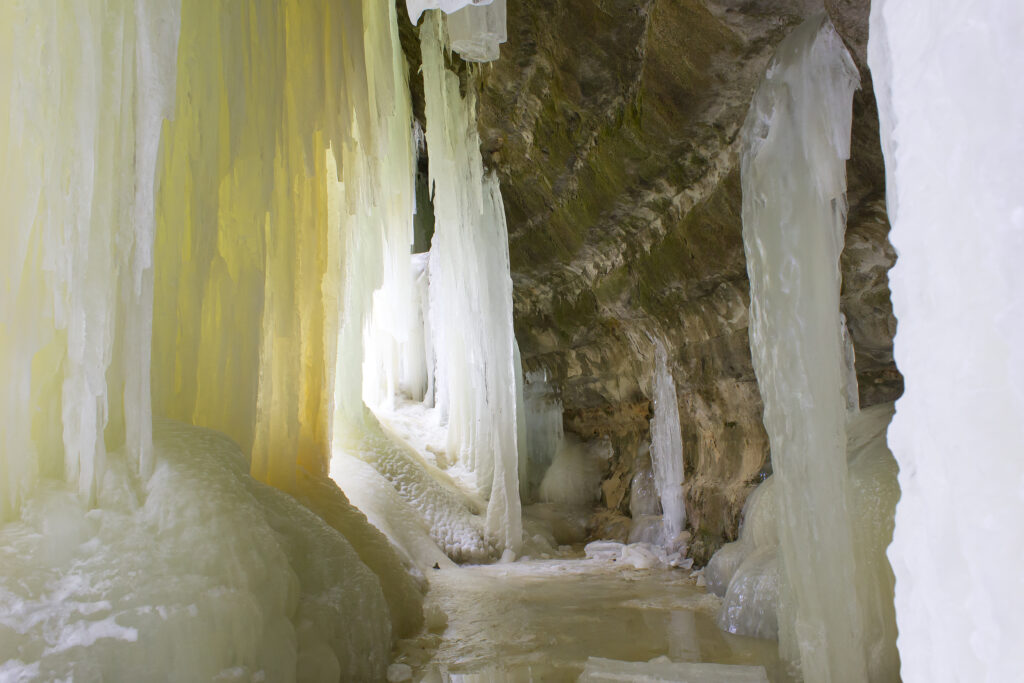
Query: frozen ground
pixel 542 620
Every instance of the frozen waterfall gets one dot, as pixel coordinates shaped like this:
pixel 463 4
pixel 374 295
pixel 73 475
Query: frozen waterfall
pixel 471 296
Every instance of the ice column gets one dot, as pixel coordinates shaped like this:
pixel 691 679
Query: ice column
pixel 795 145
pixel 471 296
pixel 84 90
pixel 953 136
pixel 667 447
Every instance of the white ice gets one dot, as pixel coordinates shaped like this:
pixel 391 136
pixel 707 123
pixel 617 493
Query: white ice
pixel 952 119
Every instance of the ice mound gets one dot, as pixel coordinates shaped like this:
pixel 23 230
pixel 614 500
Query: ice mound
pixel 574 477
pixel 454 519
pixel 746 572
pixel 202 574
pixel 636 555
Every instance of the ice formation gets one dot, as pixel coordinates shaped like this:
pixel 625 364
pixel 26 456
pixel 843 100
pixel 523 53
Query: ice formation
pixel 417 7
pixel 230 579
pixel 475 27
pixel 474 341
pixel 574 477
pixel 599 670
pixel 80 154
pixel 225 221
pixel 667 447
pixel 953 141
pixel 795 145
pixel 476 31
pixel 542 432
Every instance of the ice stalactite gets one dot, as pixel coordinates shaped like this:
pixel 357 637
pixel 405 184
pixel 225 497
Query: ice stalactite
pixel 667 448
pixel 80 156
pixel 471 298
pixel 795 145
pixel 953 136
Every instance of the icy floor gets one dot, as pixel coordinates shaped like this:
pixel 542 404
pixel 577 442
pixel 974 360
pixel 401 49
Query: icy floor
pixel 541 620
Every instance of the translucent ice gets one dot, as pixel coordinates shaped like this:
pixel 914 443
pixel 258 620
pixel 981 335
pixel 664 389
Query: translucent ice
pixel 667 446
pixel 795 145
pixel 476 31
pixel 418 7
pixel 574 477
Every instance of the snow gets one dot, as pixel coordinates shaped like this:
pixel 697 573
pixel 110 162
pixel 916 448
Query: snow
pixel 952 125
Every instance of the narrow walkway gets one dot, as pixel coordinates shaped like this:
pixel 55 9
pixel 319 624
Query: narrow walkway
pixel 541 620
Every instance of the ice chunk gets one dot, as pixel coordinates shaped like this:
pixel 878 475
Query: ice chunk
pixel 598 670
pixel 417 7
pixel 476 31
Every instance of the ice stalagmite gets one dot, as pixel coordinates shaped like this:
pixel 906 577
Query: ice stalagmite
pixel 952 119
pixel 84 92
pixel 796 142
pixel 471 296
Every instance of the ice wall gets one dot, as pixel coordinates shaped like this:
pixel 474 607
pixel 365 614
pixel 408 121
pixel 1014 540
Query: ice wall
pixel 795 145
pixel 278 162
pixel 471 295
pixel 221 220
pixel 84 90
pixel 667 447
pixel 953 137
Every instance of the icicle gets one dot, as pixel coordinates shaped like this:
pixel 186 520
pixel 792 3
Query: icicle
pixel 667 447
pixel 796 141
pixel 85 90
pixel 471 297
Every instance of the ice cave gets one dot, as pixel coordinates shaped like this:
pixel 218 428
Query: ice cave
pixel 501 341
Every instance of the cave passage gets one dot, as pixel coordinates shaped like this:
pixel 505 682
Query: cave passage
pixel 473 341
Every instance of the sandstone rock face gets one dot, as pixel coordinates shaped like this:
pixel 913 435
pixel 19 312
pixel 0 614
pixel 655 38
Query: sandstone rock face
pixel 613 125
